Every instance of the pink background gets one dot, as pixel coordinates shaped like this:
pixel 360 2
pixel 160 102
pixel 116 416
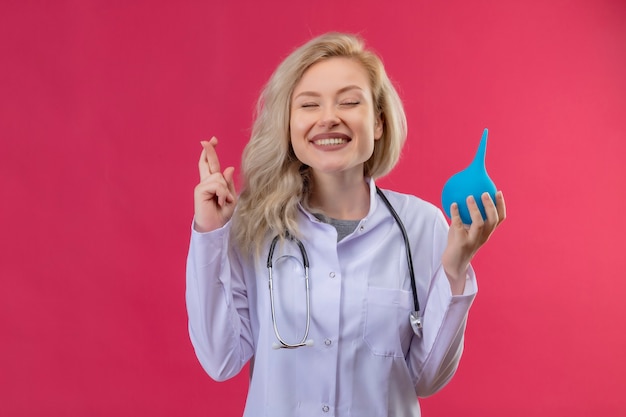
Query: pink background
pixel 103 105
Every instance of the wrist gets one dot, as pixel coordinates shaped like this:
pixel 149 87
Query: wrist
pixel 204 228
pixel 456 279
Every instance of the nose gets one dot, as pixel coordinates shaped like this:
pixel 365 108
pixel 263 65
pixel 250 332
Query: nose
pixel 329 117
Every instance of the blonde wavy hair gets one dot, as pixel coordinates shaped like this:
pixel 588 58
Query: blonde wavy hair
pixel 274 180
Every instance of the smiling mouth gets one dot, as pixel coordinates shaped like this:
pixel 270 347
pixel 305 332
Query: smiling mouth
pixel 330 141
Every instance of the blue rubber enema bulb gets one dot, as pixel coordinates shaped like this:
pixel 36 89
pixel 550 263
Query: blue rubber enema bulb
pixel 473 180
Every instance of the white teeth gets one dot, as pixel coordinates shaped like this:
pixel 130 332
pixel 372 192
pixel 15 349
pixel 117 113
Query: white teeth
pixel 330 141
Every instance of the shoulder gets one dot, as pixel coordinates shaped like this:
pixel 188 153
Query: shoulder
pixel 422 219
pixel 408 205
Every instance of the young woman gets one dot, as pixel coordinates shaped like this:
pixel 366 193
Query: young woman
pixel 312 271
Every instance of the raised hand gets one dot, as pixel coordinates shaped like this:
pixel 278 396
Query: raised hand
pixel 464 242
pixel 215 197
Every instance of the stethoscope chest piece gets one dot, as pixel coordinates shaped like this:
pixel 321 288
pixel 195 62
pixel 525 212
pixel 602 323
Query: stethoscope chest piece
pixel 416 323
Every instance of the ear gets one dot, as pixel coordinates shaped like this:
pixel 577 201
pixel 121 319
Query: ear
pixel 379 127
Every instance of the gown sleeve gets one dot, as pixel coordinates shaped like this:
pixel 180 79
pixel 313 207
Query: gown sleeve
pixel 434 358
pixel 217 305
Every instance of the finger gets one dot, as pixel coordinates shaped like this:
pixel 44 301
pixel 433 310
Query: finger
pixel 500 206
pixel 229 174
pixel 211 155
pixel 490 211
pixel 203 166
pixel 455 216
pixel 476 216
pixel 214 187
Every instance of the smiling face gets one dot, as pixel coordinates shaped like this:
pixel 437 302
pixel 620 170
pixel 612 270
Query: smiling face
pixel 333 125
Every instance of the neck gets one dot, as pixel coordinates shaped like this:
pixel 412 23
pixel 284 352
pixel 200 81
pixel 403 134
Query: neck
pixel 341 198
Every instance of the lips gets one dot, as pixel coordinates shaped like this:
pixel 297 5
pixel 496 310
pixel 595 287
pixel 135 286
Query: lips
pixel 330 139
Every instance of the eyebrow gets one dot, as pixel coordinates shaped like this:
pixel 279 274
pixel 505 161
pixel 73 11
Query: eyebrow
pixel 341 90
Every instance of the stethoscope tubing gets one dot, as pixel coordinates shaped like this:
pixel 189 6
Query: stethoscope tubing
pixel 409 257
pixel 415 318
pixel 305 261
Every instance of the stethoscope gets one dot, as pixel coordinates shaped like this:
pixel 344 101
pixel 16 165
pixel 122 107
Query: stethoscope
pixel 415 319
